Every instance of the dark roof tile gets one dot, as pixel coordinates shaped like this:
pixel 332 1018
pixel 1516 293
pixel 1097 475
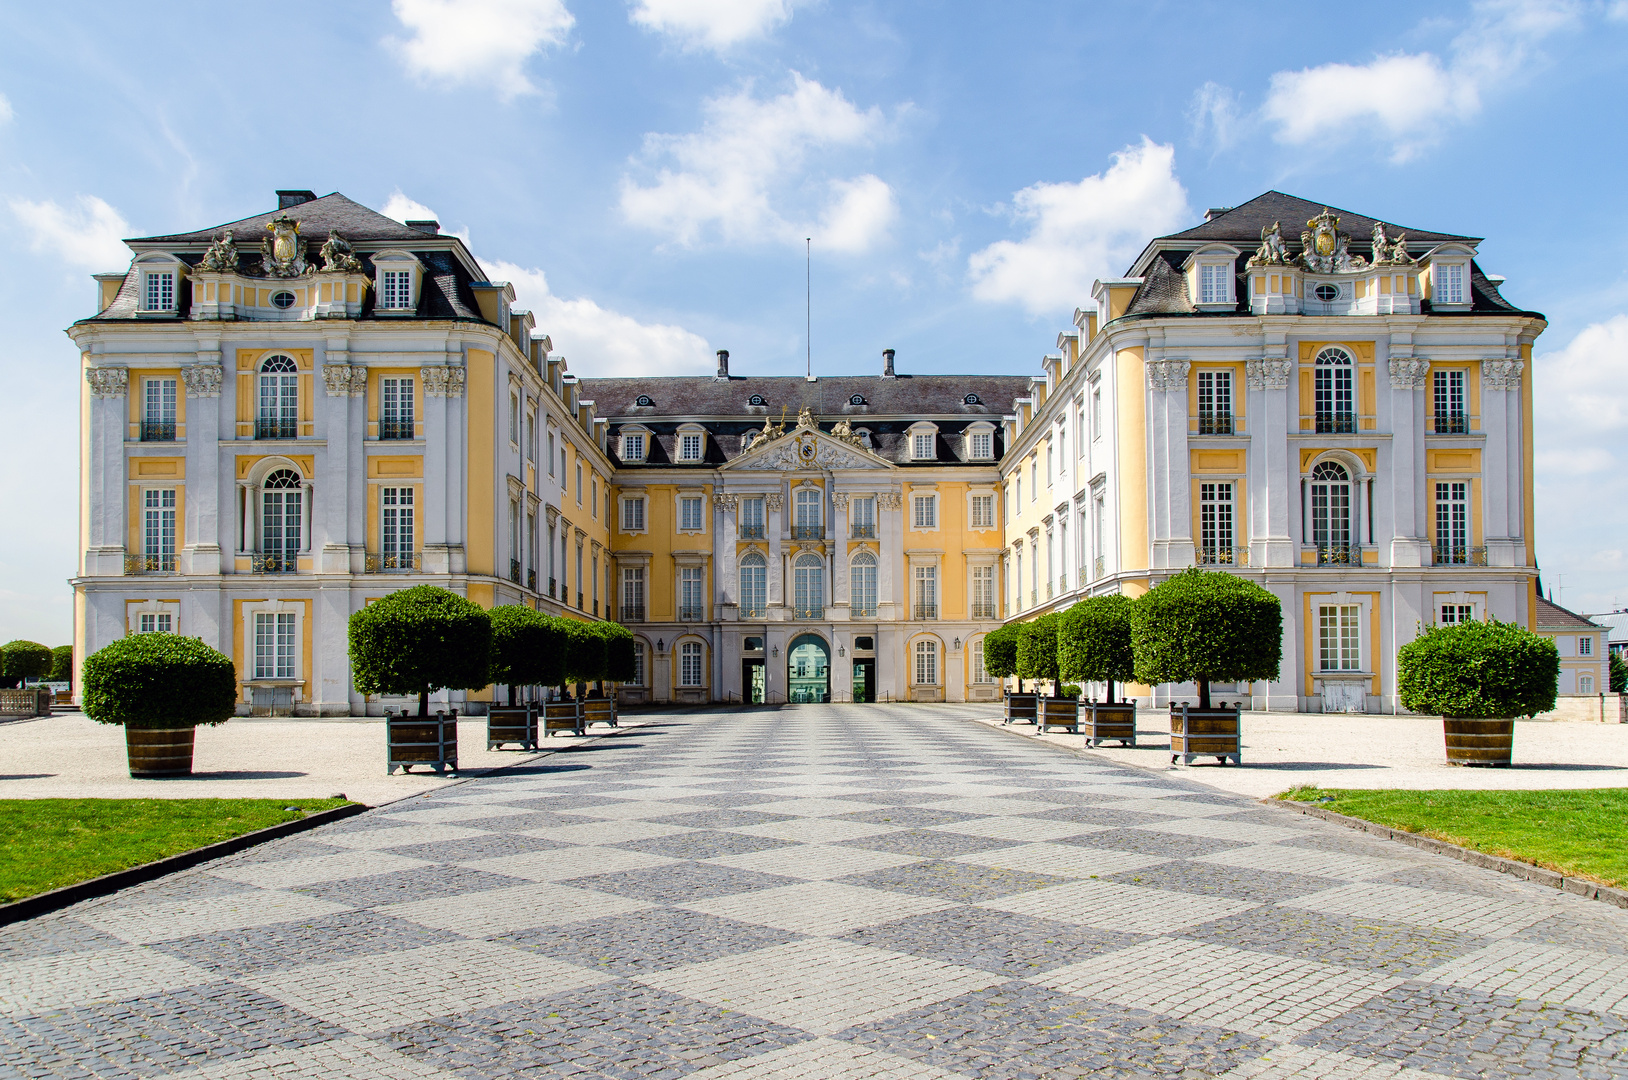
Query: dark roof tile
pixel 353 221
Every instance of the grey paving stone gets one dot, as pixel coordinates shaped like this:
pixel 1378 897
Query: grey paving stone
pixel 1000 941
pixel 1018 1031
pixel 677 883
pixel 476 847
pixel 187 885
pixel 1463 879
pixel 1458 1032
pixel 897 798
pixel 1388 948
pixel 944 880
pixel 513 823
pixel 918 817
pixel 728 800
pixel 1101 815
pixel 1215 879
pixel 421 883
pixel 926 844
pixel 1166 845
pixel 51 935
pixel 1062 795
pixel 573 801
pixel 648 940
pixel 292 847
pixel 703 844
pixel 722 818
pixel 1608 935
pixel 1349 842
pixel 291 944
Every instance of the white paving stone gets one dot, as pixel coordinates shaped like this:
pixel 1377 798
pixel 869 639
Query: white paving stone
pixel 1426 907
pixel 1018 828
pixel 288 873
pixel 816 830
pixel 638 810
pixel 814 808
pixel 28 987
pixel 1244 832
pixel 595 833
pixel 1294 860
pixel 815 862
pixel 824 1059
pixel 451 814
pixel 1107 905
pixel 561 864
pixel 1575 978
pixel 1064 860
pixel 520 907
pixel 400 835
pixel 818 907
pixel 340 1059
pixel 143 924
pixel 1304 1063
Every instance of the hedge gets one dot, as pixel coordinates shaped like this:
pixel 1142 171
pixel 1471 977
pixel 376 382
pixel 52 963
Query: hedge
pixel 1207 626
pixel 21 660
pixel 1000 651
pixel 420 640
pixel 159 681
pixel 62 664
pixel 1478 670
pixel 1037 648
pixel 521 640
pixel 1094 641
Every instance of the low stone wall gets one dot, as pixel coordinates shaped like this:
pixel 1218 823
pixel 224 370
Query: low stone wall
pixel 1592 708
pixel 29 702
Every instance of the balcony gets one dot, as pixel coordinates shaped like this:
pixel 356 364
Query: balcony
pixel 1339 554
pixel 158 431
pixel 531 580
pixel 551 588
pixel 816 611
pixel 753 612
pixel 395 428
pixel 862 611
pixel 751 532
pixel 808 532
pixel 149 564
pixel 273 427
pixel 514 571
pixel 1450 423
pixel 1222 555
pixel 1458 555
pixel 983 609
pixel 925 612
pixel 267 562
pixel 1214 424
pixel 1336 423
pixel 862 531
pixel 632 613
pixel 691 613
pixel 391 563
pixel 579 603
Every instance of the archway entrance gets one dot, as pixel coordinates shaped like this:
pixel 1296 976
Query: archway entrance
pixel 808 670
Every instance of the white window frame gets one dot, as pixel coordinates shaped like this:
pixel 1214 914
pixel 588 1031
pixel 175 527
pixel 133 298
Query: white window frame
pixel 692 592
pixel 159 524
pixel 691 445
pixel 980 676
pixel 1339 637
pixel 754 585
pixel 396 400
pixel 924 511
pixel 162 613
pixel 692 665
pixel 982 590
pixel 981 510
pixel 692 504
pixel 633 514
pixel 633 443
pixel 639 666
pixel 925 668
pixel 163 409
pixel 923 442
pixel 397 524
pixel 862 585
pixel 633 589
pixel 1585 646
pixel 388 286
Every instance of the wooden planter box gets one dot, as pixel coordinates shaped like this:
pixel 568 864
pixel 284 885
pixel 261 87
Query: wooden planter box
pixel 1196 732
pixel 1059 712
pixel 1478 742
pixel 29 701
pixel 561 716
pixel 426 740
pixel 598 711
pixel 159 752
pixel 505 724
pixel 1099 721
pixel 1022 708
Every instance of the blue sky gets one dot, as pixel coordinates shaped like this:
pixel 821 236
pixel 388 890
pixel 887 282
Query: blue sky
pixel 646 173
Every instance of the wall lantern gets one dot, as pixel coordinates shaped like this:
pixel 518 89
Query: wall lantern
pixel 774 650
pixel 661 646
pixel 957 644
pixel 841 651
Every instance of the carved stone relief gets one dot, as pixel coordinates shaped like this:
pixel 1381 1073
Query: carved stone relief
pixel 724 502
pixel 889 500
pixel 1266 374
pixel 1409 373
pixel 202 380
pixel 443 381
pixel 839 500
pixel 106 382
pixel 1167 375
pixel 1502 374
pixel 774 500
pixel 336 379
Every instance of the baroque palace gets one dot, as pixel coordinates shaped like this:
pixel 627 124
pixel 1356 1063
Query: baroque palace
pixel 290 415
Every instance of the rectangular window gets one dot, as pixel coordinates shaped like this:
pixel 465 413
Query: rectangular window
pixel 1453 523
pixel 924 511
pixel 983 445
pixel 160 292
pixel 274 645
pixel 1062 451
pixel 979 675
pixel 1096 412
pixel 690 513
pixel 809 506
pixel 158 528
pixel 1079 425
pixel 926 662
pixel 983 511
pixel 862 516
pixel 396 290
pixel 1585 646
pixel 158 407
pixel 638 663
pixel 633 515
pixel 632 447
pixel 1215 403
pixel 1339 637
pixel 1034 478
pixel 752 519
pixel 1450 284
pixel 1049 456
pixel 1215 518
pixel 1448 398
pixel 689 665
pixel 926 586
pixel 921 446
pixel 691 602
pixel 531 436
pixel 154 624
pixel 396 522
pixel 593 499
pixel 514 419
pixel 1212 284
pixel 579 483
pixel 983 592
pixel 632 594
pixel 689 448
pixel 395 408
pixel 1452 614
pixel 551 453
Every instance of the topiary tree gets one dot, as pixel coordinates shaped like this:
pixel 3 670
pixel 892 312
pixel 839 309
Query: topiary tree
pixel 21 660
pixel 521 638
pixel 1000 652
pixel 1618 674
pixel 619 662
pixel 159 681
pixel 1094 641
pixel 1207 626
pixel 1037 648
pixel 62 664
pixel 584 653
pixel 420 640
pixel 1478 670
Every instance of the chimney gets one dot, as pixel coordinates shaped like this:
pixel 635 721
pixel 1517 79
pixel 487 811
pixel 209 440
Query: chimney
pixel 429 228
pixel 1216 211
pixel 723 364
pixel 887 364
pixel 286 199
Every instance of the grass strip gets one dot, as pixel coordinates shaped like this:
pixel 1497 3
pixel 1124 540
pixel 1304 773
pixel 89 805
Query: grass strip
pixel 48 843
pixel 1582 833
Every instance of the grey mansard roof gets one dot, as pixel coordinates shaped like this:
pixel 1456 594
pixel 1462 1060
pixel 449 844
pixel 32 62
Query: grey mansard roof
pixel 1242 225
pixel 353 221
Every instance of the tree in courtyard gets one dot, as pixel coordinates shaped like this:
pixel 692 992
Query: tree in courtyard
pixel 1618 674
pixel 1000 652
pixel 21 660
pixel 1037 648
pixel 1094 641
pixel 524 648
pixel 1478 670
pixel 584 654
pixel 418 641
pixel 159 681
pixel 62 664
pixel 1206 626
pixel 619 660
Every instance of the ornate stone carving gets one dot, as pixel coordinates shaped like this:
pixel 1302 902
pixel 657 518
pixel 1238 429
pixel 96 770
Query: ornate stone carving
pixel 889 500
pixel 1325 250
pixel 337 256
pixel 844 431
pixel 282 253
pixel 839 500
pixel 1409 373
pixel 106 382
pixel 724 502
pixel 358 380
pixel 202 380
pixel 336 379
pixel 1502 374
pixel 774 500
pixel 809 450
pixel 1389 252
pixel 443 381
pixel 1268 374
pixel 1273 251
pixel 805 419
pixel 1167 375
pixel 221 258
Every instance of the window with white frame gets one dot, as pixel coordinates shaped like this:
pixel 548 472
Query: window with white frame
pixel 1096 412
pixel 1215 403
pixel 158 528
pixel 983 445
pixel 1062 451
pixel 1017 579
pixel 1453 614
pixel 808 578
pixel 1049 463
pixel 632 513
pixel 155 623
pixel 926 662
pixel 282 505
pixel 979 675
pixel 514 419
pixel 983 511
pixel 924 511
pixel 809 509
pixel 638 663
pixel 632 594
pixel 274 644
pixel 754 573
pixel 593 496
pixel 1331 508
pixel 1449 287
pixel 1585 683
pixel 1334 394
pixel 279 414
pixel 396 290
pixel 1447 393
pixel 579 483
pixel 689 447
pixel 983 592
pixel 921 446
pixel 633 446
pixel 395 408
pixel 1079 425
pixel 1212 283
pixel 1215 519
pixel 691 594
pixel 752 518
pixel 396 525
pixel 531 436
pixel 159 290
pixel 551 453
pixel 689 664
pixel 862 585
pixel 1019 484
pixel 862 516
pixel 926 591
pixel 158 410
pixel 1339 637
pixel 1453 522
pixel 1585 646
pixel 690 517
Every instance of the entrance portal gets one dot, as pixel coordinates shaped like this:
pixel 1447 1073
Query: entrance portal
pixel 864 680
pixel 752 681
pixel 808 670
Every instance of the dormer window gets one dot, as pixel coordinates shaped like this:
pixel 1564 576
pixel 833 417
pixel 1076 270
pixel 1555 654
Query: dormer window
pixel 633 446
pixel 756 399
pixel 971 399
pixel 1450 283
pixel 692 444
pixel 159 283
pixel 160 291
pixel 399 276
pixel 1210 276
pixel 1212 284
pixel 923 443
pixel 980 443
pixel 1450 276
pixel 857 399
pixel 395 289
pixel 644 402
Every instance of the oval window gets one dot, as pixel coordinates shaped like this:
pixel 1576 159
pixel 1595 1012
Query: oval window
pixel 857 399
pixel 971 399
pixel 1327 293
pixel 284 299
pixel 756 399
pixel 644 401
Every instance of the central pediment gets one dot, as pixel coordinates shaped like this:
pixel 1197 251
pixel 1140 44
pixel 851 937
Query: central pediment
pixel 807 450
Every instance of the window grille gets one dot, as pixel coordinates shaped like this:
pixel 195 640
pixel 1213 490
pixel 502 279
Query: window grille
pixel 154 624
pixel 979 675
pixel 690 664
pixel 689 448
pixel 926 662
pixel 274 645
pixel 1452 614
pixel 751 523
pixel 1215 519
pixel 1448 395
pixel 690 517
pixel 279 414
pixel 396 526
pixel 926 579
pixel 983 592
pixel 1450 284
pixel 638 663
pixel 983 445
pixel 632 447
pixel 691 602
pixel 395 408
pixel 862 585
pixel 1212 285
pixel 158 528
pixel 924 513
pixel 633 594
pixel 1339 637
pixel 1453 523
pixel 160 292
pixel 809 582
pixel 1333 393
pixel 921 446
pixel 1331 508
pixel 396 293
pixel 983 511
pixel 754 586
pixel 281 511
pixel 1215 403
pixel 632 515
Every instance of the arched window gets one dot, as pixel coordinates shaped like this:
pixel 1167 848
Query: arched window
pixel 862 585
pixel 282 504
pixel 926 662
pixel 279 415
pixel 1585 684
pixel 979 675
pixel 1331 512
pixel 754 586
pixel 1336 412
pixel 690 664
pixel 638 664
pixel 808 573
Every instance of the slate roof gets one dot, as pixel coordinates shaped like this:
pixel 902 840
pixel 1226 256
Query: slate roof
pixel 1550 616
pixel 354 222
pixel 1242 225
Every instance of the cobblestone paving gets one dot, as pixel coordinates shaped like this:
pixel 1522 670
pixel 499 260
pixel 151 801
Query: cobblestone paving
pixel 822 893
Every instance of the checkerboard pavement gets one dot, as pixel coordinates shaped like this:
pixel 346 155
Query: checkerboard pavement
pixel 822 893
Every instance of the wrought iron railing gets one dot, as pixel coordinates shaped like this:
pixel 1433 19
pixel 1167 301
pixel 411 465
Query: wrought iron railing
pixel 1450 423
pixel 268 562
pixel 983 609
pixel 579 603
pixel 149 564
pixel 753 612
pixel 690 613
pixel 1336 423
pixel 1459 555
pixel 1097 566
pixel 926 611
pixel 751 532
pixel 1339 554
pixel 867 611
pixel 633 613
pixel 1221 555
pixel 808 532
pixel 273 427
pixel 514 571
pixel 809 612
pixel 395 429
pixel 1215 424
pixel 531 580
pixel 391 562
pixel 158 431
pixel 551 588
pixel 863 531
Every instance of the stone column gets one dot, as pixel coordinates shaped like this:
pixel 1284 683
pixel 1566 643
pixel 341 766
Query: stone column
pixel 726 587
pixel 1501 470
pixel 773 528
pixel 839 555
pixel 205 523
pixel 1274 479
pixel 107 482
pixel 890 558
pixel 1410 540
pixel 334 420
pixel 437 556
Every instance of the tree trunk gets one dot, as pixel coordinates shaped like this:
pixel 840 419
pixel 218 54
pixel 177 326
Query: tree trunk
pixel 1203 692
pixel 424 702
pixel 511 695
pixel 1110 691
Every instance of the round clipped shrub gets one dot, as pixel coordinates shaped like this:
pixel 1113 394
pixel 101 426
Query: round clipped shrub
pixel 520 644
pixel 159 681
pixel 1207 626
pixel 420 640
pixel 1037 648
pixel 21 660
pixel 584 652
pixel 62 664
pixel 1000 651
pixel 619 661
pixel 1094 641
pixel 1478 670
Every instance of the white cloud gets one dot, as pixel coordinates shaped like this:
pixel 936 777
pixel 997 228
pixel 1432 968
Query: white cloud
pixel 1215 110
pixel 711 24
pixel 6 112
pixel 1410 98
pixel 1081 232
pixel 88 235
pixel 403 209
pixel 730 175
pixel 479 41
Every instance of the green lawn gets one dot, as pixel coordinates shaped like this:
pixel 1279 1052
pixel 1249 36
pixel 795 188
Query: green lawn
pixel 1577 833
pixel 48 843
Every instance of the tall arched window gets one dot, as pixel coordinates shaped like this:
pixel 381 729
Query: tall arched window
pixel 808 521
pixel 282 503
pixel 862 585
pixel 754 586
pixel 926 662
pixel 279 415
pixel 690 664
pixel 809 577
pixel 1331 513
pixel 1336 411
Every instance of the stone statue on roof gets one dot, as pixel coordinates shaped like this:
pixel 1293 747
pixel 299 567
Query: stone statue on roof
pixel 844 431
pixel 221 258
pixel 338 257
pixel 1273 251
